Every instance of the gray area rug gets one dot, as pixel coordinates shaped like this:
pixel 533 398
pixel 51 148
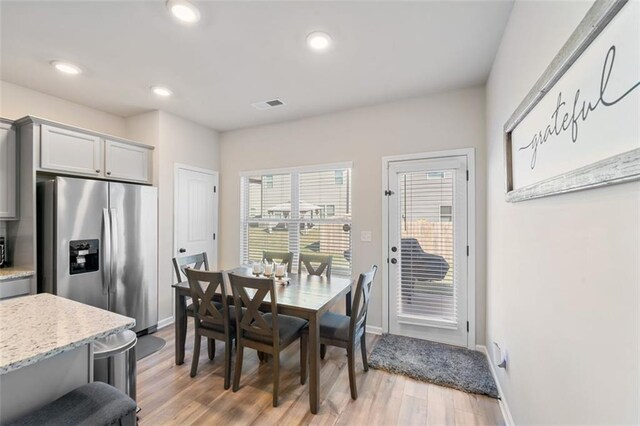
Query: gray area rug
pixel 444 365
pixel 147 345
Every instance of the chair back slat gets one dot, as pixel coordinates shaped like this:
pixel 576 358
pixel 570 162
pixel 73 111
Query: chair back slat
pixel 203 286
pixel 279 257
pixel 194 261
pixel 361 300
pixel 322 260
pixel 250 293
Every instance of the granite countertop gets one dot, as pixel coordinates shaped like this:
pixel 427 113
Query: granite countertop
pixel 33 328
pixel 14 273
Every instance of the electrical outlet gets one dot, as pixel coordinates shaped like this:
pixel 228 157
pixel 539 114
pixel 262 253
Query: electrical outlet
pixel 365 236
pixel 500 355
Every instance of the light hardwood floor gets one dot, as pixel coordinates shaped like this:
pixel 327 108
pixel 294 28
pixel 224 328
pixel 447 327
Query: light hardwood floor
pixel 167 395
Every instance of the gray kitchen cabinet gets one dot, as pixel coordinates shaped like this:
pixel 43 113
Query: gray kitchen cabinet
pixel 64 150
pixel 8 171
pixel 127 161
pixel 61 149
pixel 15 288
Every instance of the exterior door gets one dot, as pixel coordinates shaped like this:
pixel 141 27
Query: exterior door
pixel 196 218
pixel 428 249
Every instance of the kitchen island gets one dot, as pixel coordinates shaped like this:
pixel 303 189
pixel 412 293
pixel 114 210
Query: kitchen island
pixel 46 349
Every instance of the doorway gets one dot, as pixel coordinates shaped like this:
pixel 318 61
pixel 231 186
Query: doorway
pixel 430 285
pixel 196 212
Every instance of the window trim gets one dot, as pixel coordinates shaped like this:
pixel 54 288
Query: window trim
pixel 299 169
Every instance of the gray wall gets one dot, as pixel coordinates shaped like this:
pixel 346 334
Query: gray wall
pixel 562 272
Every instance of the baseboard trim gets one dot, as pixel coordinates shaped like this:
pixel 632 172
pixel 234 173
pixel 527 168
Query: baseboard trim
pixel 374 330
pixel 165 322
pixel 504 406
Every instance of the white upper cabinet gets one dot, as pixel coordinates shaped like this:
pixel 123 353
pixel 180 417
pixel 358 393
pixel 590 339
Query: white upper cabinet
pixel 8 172
pixel 70 151
pixel 85 153
pixel 127 161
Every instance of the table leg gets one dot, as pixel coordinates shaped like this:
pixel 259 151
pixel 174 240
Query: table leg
pixel 314 363
pixel 348 307
pixel 180 325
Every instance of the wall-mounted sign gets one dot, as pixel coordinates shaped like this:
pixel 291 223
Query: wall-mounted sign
pixel 579 127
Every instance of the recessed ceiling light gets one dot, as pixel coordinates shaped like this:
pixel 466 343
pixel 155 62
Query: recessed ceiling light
pixel 161 91
pixel 66 67
pixel 184 11
pixel 319 40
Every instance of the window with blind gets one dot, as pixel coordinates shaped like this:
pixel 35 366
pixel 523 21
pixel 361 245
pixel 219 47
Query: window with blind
pixel 303 210
pixel 428 269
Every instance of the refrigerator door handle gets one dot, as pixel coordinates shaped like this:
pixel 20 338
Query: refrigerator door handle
pixel 114 250
pixel 106 251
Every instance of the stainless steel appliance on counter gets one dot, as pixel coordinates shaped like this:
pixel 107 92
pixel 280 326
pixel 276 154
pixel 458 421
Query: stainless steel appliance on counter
pixel 97 244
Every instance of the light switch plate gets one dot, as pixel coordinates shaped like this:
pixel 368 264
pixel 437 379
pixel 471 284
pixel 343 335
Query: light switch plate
pixel 365 236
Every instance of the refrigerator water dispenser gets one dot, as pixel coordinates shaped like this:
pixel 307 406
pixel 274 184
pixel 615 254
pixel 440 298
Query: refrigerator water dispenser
pixel 84 256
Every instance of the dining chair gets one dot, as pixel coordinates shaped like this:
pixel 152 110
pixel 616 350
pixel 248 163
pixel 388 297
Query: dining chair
pixel 323 262
pixel 347 331
pixel 268 333
pixel 194 261
pixel 279 256
pixel 212 319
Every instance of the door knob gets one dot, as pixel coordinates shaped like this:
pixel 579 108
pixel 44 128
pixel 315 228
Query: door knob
pixel 394 260
pixel 182 250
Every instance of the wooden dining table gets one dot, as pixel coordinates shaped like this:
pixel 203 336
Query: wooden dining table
pixel 305 296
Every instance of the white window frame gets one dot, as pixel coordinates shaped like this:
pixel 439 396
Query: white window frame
pixel 470 153
pixel 294 217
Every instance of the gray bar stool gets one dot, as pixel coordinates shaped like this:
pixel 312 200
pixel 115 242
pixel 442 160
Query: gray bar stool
pixel 114 361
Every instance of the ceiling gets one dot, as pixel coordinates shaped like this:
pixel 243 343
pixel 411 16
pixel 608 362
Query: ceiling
pixel 245 52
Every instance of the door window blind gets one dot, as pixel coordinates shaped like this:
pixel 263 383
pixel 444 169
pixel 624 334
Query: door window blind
pixel 427 268
pixel 302 211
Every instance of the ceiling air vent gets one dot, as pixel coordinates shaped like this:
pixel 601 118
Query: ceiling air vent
pixel 273 103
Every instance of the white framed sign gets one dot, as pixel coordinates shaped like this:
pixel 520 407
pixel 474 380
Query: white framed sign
pixel 579 127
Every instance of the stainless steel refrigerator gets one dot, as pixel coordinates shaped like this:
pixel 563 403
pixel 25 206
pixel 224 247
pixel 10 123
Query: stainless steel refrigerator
pixel 97 244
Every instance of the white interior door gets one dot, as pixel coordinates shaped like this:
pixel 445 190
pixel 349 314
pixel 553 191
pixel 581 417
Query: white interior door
pixel 427 250
pixel 196 217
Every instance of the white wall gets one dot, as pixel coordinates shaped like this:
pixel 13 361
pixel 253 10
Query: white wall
pixel 181 141
pixel 177 140
pixel 563 271
pixel 17 101
pixel 364 136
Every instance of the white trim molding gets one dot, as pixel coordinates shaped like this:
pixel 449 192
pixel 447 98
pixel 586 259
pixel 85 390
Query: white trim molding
pixel 165 322
pixel 470 153
pixel 374 330
pixel 504 406
pixel 299 169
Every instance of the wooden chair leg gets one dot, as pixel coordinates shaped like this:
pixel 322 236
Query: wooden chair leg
pixel 304 348
pixel 227 363
pixel 352 372
pixel 323 351
pixel 363 349
pixel 211 348
pixel 276 377
pixel 196 355
pixel 238 369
